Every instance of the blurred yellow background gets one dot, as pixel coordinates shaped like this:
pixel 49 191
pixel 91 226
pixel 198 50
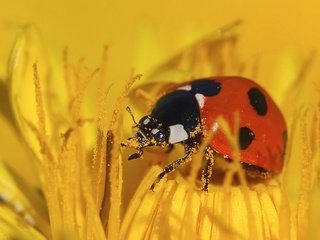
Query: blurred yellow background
pixel 142 34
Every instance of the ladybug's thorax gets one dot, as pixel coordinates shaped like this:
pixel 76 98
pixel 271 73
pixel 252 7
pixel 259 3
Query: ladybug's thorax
pixel 176 115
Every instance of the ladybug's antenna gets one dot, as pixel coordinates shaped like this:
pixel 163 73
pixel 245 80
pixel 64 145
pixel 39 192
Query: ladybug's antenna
pixel 131 114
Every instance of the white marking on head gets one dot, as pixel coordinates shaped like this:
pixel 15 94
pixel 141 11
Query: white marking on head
pixel 200 99
pixel 154 131
pixel 186 87
pixel 146 121
pixel 177 133
pixel 215 127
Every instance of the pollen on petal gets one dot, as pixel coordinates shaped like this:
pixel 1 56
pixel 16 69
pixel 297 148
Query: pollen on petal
pixel 175 210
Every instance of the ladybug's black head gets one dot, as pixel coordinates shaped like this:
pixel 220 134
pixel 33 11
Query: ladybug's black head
pixel 150 132
pixel 150 129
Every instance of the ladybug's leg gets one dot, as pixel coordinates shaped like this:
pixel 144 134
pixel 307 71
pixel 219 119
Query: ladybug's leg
pixel 174 165
pixel 207 172
pixel 169 168
pixel 169 148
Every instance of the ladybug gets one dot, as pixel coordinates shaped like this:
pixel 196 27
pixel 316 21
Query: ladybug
pixel 189 111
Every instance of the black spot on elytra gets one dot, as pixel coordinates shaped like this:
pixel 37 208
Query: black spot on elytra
pixel 205 87
pixel 285 140
pixel 258 101
pixel 246 136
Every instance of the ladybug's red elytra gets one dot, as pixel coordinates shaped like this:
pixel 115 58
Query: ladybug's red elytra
pixel 187 113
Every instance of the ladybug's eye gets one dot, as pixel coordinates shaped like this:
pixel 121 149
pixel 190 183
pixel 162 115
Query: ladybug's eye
pixel 158 135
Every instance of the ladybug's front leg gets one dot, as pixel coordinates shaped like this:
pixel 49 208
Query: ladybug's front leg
pixel 190 149
pixel 207 172
pixel 170 148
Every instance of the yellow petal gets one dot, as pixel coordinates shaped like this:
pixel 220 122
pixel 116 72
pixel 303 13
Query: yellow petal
pixel 12 227
pixel 27 51
pixel 16 156
pixel 21 170
pixel 28 209
pixel 177 211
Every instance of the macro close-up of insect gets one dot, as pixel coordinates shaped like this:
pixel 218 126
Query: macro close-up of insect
pixel 189 112
pixel 129 120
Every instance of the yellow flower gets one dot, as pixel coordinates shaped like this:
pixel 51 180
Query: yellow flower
pixel 61 168
pixel 56 181
pixel 279 209
pixel 52 170
pixel 177 211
